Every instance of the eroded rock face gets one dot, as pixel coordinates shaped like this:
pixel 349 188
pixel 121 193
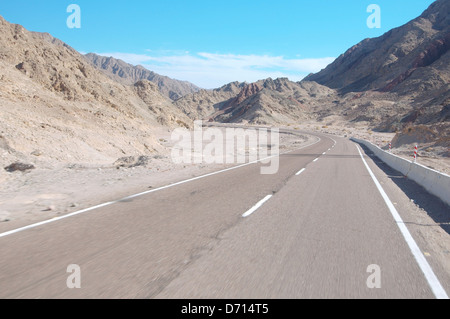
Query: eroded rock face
pixel 425 58
pixel 246 92
pixel 433 52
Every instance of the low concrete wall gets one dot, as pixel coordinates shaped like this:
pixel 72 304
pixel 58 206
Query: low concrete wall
pixel 435 182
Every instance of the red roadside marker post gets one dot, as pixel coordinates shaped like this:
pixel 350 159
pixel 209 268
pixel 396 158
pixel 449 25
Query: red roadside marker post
pixel 415 154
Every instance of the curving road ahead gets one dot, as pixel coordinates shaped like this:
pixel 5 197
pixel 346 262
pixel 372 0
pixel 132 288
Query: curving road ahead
pixel 310 231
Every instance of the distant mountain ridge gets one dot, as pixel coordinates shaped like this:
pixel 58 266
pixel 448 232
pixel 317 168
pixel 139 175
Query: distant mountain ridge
pixel 129 74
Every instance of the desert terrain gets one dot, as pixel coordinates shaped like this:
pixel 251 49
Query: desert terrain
pixel 52 190
pixel 78 129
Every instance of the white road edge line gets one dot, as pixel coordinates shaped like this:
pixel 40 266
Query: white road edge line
pixel 255 208
pixel 301 171
pixel 333 140
pixel 433 281
pixel 55 219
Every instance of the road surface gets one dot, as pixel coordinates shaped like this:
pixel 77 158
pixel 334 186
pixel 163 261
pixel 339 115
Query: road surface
pixel 313 230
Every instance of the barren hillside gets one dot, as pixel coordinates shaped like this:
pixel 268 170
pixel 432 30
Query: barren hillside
pixel 57 108
pixel 406 72
pixel 278 101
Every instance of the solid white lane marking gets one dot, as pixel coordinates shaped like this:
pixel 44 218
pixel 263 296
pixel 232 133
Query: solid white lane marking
pixel 55 219
pixel 433 281
pixel 255 208
pixel 301 171
pixel 14 231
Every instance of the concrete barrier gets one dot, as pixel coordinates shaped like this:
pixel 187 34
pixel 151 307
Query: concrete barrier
pixel 434 182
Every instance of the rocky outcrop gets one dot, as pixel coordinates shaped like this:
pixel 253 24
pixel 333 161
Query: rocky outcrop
pixel 248 91
pixel 427 57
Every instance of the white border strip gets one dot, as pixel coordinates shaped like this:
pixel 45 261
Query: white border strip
pixel 14 231
pixel 433 281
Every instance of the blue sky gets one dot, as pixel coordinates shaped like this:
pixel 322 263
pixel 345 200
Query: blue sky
pixel 211 43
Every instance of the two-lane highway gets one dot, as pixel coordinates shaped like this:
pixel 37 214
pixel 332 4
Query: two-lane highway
pixel 311 230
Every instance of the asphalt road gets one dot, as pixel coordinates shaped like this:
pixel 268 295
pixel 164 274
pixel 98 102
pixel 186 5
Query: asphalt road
pixel 324 222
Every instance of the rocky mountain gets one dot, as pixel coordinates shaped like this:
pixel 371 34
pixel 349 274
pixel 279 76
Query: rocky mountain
pixel 404 74
pixel 386 83
pixel 394 61
pixel 204 103
pixel 278 101
pixel 390 83
pixel 128 74
pixel 55 106
pixel 62 105
pixel 269 101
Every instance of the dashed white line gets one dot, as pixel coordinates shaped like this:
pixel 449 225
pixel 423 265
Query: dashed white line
pixel 14 231
pixel 316 160
pixel 301 171
pixel 258 205
pixel 433 281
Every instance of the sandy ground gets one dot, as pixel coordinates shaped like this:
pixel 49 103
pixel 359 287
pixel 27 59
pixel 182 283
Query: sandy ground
pixel 53 190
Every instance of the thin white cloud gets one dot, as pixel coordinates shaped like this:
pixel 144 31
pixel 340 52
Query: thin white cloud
pixel 210 70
